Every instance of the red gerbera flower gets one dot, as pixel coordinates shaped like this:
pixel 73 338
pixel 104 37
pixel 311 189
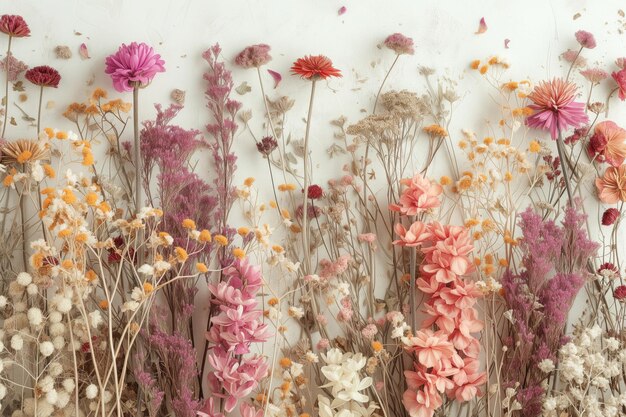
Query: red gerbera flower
pixel 314 67
pixel 44 76
pixel 14 25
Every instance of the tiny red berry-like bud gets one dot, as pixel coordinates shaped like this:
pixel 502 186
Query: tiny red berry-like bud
pixel 314 192
pixel 610 216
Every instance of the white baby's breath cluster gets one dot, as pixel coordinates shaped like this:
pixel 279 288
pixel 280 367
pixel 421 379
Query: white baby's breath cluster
pixel 588 366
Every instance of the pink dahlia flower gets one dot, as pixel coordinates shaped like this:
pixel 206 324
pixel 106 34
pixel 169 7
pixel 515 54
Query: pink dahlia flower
pixel 133 65
pixel 555 108
pixel 420 195
pixel 43 76
pixel 14 26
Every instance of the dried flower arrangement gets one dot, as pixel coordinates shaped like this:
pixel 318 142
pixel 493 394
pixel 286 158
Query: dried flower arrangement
pixel 396 288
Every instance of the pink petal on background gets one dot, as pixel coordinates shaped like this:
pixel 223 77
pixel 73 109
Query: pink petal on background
pixel 342 10
pixel 276 76
pixel 506 43
pixel 82 50
pixel 482 26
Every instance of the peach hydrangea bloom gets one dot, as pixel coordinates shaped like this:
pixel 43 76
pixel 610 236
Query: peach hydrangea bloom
pixel 420 195
pixel 430 347
pixel 612 186
pixel 414 236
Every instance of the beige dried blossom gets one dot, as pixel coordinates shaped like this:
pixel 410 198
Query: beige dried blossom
pixel 404 104
pixel 281 105
pixel 376 128
pixel 23 150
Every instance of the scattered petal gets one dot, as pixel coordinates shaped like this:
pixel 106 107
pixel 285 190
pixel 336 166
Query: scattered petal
pixel 77 33
pixel 342 10
pixel 621 13
pixel 50 105
pixel 82 50
pixel 576 16
pixel 506 43
pixel 13 122
pixel 91 80
pixel 482 26
pixel 23 97
pixel 276 76
pixel 63 52
pixel 243 88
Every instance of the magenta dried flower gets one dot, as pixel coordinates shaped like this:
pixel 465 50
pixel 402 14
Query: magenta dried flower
pixel 585 39
pixel 254 56
pixel 133 65
pixel 267 145
pixel 610 216
pixel 14 25
pixel 620 293
pixel 43 76
pixel 400 44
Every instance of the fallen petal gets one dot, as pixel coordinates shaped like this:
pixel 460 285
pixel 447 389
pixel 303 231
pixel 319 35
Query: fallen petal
pixel 276 76
pixel 342 10
pixel 82 50
pixel 482 26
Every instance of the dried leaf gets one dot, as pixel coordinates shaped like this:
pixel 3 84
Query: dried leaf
pixel 13 122
pixel 621 13
pixel 482 26
pixel 91 80
pixel 77 33
pixel 506 43
pixel 576 16
pixel 18 86
pixel 82 50
pixel 276 76
pixel 243 88
pixel 23 97
pixel 178 96
pixel 342 10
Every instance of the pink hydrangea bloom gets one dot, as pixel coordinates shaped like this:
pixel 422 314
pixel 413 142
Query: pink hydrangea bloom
pixel 417 234
pixel 133 65
pixel 419 195
pixel 585 39
pixel 254 56
pixel 13 67
pixel 400 44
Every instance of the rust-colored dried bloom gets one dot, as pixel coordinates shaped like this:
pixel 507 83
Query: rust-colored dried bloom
pixel 43 76
pixel 612 185
pixel 313 67
pixel 610 216
pixel 267 145
pixel 254 56
pixel 400 44
pixel 14 25
pixel 23 150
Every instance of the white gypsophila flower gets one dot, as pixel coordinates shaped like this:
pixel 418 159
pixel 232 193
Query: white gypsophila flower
pixel 600 382
pixel 24 278
pixel 584 341
pixel 1 365
pixel 546 365
pixel 32 289
pixel 95 319
pixel 46 348
pixel 3 301
pixel 64 305
pixel 572 369
pixel 612 344
pixel 35 317
pixel 296 312
pixel 343 288
pixel 17 343
pixel 46 384
pixel 595 331
pixel 91 392
pixel 55 317
pixel 57 329
pixel 63 399
pixel 107 396
pixel 3 391
pixel 55 369
pixel 1 345
pixel 568 349
pixel 146 269
pixel 549 404
pixel 274 314
pixel 52 397
pixel 130 306
pixel 68 385
pixel 399 331
pixel 58 342
pixel 19 306
pixel 311 357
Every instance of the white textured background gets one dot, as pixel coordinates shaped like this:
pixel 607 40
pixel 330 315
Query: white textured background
pixel 539 30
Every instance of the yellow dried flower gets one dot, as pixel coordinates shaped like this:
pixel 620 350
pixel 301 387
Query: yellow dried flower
pixel 221 240
pixel 189 224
